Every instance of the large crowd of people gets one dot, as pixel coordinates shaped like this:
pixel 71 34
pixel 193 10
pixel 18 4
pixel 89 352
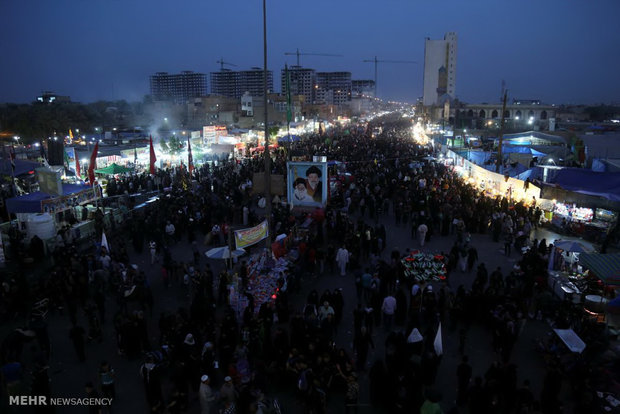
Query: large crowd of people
pixel 235 362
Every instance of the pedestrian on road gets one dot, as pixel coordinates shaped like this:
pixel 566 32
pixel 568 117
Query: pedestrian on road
pixel 342 258
pixel 106 376
pixel 388 308
pixel 206 396
pixel 422 230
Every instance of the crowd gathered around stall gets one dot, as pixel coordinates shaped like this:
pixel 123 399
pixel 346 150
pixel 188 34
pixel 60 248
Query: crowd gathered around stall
pixel 238 360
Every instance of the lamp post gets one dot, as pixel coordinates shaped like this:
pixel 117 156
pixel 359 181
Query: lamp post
pixel 266 153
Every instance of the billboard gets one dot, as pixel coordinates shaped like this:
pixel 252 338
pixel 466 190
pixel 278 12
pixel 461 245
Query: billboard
pixel 248 237
pixel 70 151
pixel 208 134
pixel 49 181
pixel 306 183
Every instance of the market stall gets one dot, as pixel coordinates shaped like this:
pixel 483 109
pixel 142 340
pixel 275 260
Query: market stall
pixel 565 276
pixel 606 267
pixel 571 218
pixel 600 225
pixel 266 278
pixel 424 267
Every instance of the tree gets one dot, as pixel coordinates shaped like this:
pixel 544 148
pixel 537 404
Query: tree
pixel 164 145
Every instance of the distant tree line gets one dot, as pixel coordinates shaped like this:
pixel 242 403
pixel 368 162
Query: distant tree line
pixel 39 120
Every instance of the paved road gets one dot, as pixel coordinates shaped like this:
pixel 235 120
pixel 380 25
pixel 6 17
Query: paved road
pixel 68 376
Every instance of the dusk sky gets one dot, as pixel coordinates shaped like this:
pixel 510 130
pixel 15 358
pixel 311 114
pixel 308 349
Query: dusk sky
pixel 555 50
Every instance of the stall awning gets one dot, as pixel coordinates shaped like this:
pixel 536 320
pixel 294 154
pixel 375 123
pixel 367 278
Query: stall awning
pixel 571 340
pixel 31 202
pixel 21 167
pixel 605 266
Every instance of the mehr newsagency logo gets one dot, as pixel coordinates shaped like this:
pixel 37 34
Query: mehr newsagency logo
pixel 29 400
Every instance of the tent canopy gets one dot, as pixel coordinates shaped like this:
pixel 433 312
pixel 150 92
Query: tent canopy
pixel 113 169
pixel 589 182
pixel 605 266
pixel 21 167
pixel 289 138
pixel 31 203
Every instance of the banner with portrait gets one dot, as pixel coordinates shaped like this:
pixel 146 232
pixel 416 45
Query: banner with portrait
pixel 71 164
pixel 307 183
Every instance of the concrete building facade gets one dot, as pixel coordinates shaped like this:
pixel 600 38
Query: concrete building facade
pixel 332 88
pixel 302 82
pixel 179 88
pixel 440 70
pixel 234 84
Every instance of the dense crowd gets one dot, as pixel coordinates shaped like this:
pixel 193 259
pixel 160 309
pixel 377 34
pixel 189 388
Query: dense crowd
pixel 234 362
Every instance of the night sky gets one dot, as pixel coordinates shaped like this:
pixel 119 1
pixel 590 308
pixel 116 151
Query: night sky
pixel 555 50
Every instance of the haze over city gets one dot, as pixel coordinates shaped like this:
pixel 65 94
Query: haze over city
pixel 555 51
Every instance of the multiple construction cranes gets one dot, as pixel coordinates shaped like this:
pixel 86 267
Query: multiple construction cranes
pixel 298 53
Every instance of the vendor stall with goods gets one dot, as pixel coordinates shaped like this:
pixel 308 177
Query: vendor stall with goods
pixel 570 218
pixel 267 280
pixel 606 268
pixel 424 267
pixel 565 275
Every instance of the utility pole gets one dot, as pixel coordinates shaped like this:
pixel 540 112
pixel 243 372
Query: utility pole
pixel 266 153
pixel 501 134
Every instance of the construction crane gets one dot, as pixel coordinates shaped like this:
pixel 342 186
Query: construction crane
pixel 298 53
pixel 222 63
pixel 375 60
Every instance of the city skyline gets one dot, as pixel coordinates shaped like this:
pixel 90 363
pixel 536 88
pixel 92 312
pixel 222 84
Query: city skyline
pixel 107 50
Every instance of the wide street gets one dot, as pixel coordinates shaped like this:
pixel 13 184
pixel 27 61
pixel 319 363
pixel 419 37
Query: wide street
pixel 68 375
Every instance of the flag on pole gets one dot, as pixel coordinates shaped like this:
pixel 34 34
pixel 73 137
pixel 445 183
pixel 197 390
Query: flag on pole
pixel 77 165
pixel 93 164
pixel 190 159
pixel 66 158
pixel 153 158
pixel 104 242
pixel 437 343
pixel 12 154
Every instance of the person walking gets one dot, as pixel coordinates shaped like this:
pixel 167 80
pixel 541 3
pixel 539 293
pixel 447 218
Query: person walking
pixel 153 250
pixel 342 258
pixel 508 238
pixel 422 230
pixel 106 376
pixel 206 396
pixel 388 308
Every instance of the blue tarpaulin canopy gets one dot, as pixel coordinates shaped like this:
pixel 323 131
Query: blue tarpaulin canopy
pixel 589 182
pixel 31 203
pixel 289 138
pixel 506 149
pixel 21 167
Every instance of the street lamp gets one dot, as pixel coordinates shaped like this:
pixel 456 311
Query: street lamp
pixel 16 138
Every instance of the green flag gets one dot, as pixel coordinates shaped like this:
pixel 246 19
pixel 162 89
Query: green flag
pixel 289 109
